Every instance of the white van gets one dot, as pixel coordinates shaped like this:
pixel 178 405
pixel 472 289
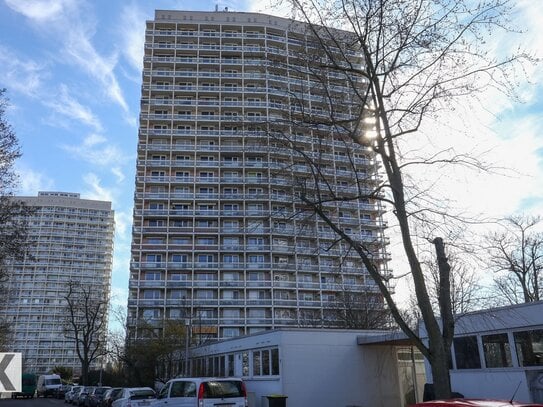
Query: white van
pixel 202 392
pixel 48 384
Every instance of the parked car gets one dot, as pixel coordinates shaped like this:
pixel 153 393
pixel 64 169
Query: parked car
pixel 202 392
pixel 474 403
pixel 135 397
pixel 62 390
pixel 95 397
pixel 82 396
pixel 69 396
pixel 110 396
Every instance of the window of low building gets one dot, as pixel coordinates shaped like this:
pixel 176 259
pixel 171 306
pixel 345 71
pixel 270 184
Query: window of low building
pixel 466 353
pixel 529 345
pixel 497 350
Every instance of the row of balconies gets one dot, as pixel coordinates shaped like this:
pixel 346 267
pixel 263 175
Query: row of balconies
pixel 233 196
pixel 252 61
pixel 223 34
pixel 285 79
pixel 240 284
pixel 282 36
pixel 252 231
pixel 189 143
pixel 256 150
pixel 251 48
pixel 248 179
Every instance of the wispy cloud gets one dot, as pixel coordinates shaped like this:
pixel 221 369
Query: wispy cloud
pixel 132 31
pixel 67 105
pixel 22 74
pixel 71 24
pixel 95 189
pixel 96 149
pixel 32 181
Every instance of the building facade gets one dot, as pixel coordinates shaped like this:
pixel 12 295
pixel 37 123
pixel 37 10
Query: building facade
pixel 220 237
pixel 71 244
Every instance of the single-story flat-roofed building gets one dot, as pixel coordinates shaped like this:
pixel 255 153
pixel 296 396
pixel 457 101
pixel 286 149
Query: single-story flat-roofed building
pixel 315 367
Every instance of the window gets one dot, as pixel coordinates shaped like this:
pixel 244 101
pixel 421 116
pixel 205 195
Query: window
pixel 149 276
pixel 466 353
pixel 497 351
pixel 205 258
pixel 180 258
pixel 183 389
pixel 231 258
pixel 529 345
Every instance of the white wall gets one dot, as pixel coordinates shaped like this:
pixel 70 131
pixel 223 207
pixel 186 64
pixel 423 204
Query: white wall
pixel 330 370
pixel 496 385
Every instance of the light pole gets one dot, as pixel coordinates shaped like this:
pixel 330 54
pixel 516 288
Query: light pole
pixel 187 340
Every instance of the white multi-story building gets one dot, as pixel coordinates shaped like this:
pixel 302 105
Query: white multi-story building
pixel 71 242
pixel 216 239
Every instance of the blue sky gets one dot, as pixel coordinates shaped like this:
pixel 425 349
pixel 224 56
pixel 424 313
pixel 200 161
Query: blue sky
pixel 73 69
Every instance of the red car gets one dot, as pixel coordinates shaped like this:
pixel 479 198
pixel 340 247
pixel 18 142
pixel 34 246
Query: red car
pixel 474 403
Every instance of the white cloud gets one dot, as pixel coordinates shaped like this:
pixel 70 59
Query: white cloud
pixel 39 10
pixel 132 28
pixel 23 75
pixel 72 24
pixel 123 224
pixel 95 149
pixel 68 106
pixel 32 181
pixel 95 190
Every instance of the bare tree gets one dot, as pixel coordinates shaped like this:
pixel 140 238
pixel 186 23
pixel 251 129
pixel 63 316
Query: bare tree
pixel 516 256
pixel 370 87
pixel 86 324
pixel 13 213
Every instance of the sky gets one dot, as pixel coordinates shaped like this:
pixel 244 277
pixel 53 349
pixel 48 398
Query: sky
pixel 72 69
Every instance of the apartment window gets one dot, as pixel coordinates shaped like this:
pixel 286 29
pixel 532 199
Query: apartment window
pixel 205 294
pixel 230 241
pixel 253 258
pixel 255 241
pixel 231 258
pixel 153 258
pixel 230 332
pixel 203 223
pixel 181 223
pixel 180 258
pixel 206 241
pixel 151 294
pixel 205 258
pixel 177 294
pixel 153 275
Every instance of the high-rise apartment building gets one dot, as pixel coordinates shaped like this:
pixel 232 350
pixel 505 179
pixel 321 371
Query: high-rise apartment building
pixel 71 243
pixel 218 240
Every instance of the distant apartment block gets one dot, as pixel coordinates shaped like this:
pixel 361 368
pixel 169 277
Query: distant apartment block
pixel 216 239
pixel 71 242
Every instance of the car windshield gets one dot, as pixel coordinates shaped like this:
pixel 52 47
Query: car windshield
pixel 142 394
pixel 222 389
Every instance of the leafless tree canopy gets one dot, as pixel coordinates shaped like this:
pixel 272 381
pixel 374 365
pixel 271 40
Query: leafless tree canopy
pixel 398 64
pixel 86 324
pixel 13 214
pixel 516 256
